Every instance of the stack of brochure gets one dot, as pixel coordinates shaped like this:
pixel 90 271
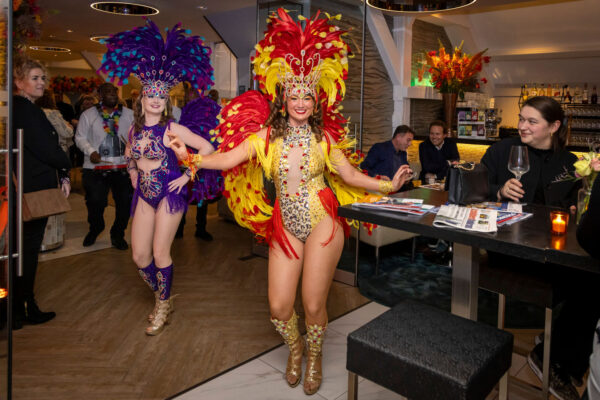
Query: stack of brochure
pixel 471 219
pixel 406 206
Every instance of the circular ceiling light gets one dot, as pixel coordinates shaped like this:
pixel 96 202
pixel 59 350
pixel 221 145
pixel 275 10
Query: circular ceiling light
pixel 99 38
pixel 418 6
pixel 50 48
pixel 123 8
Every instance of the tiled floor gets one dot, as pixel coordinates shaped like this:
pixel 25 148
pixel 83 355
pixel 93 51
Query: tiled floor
pixel 261 378
pixel 76 227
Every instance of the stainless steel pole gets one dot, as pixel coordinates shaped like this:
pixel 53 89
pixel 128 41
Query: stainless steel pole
pixel 20 201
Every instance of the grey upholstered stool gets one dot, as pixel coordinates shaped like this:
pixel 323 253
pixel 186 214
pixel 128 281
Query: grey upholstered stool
pixel 422 352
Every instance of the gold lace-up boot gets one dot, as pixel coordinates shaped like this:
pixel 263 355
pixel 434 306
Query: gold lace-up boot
pixel 152 315
pixel 314 371
pixel 291 335
pixel 161 318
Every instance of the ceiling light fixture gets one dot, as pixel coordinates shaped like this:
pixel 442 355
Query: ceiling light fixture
pixel 99 38
pixel 202 8
pixel 124 8
pixel 418 6
pixel 50 48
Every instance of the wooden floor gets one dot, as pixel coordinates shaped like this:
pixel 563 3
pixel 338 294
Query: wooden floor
pixel 96 347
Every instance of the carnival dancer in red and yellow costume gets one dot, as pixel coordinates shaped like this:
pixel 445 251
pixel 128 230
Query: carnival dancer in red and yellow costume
pixel 292 134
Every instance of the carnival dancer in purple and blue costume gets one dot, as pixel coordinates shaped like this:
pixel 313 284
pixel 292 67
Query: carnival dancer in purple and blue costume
pixel 161 194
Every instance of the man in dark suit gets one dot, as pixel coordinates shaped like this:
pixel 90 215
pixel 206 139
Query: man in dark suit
pixel 437 152
pixel 385 158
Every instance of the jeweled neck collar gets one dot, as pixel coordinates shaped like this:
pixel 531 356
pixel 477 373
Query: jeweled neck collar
pixel 298 131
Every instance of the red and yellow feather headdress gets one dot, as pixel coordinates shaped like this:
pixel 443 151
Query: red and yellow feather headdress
pixel 312 60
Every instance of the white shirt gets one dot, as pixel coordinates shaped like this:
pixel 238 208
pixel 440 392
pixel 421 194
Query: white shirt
pixel 91 136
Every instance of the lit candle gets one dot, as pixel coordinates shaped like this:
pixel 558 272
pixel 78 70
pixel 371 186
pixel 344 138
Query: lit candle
pixel 559 220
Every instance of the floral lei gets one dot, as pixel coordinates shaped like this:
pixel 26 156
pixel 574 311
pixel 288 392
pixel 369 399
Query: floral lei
pixel 114 114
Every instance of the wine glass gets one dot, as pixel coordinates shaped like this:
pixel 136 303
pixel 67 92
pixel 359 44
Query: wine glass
pixel 518 161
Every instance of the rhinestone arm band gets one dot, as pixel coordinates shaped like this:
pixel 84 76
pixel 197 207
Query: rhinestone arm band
pixel 386 186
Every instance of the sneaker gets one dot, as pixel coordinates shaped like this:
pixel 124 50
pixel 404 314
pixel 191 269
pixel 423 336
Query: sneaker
pixel 119 243
pixel 560 382
pixel 89 239
pixel 540 339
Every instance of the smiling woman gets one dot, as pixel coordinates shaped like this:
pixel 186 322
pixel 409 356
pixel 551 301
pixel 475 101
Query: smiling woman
pixel 44 161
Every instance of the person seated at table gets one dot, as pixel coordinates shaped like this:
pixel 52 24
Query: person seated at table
pixel 542 131
pixel 385 158
pixel 437 153
pixel 588 232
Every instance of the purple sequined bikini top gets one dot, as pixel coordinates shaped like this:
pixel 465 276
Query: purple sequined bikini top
pixel 154 148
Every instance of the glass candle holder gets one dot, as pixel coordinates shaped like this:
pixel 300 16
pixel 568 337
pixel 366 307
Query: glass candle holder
pixel 559 222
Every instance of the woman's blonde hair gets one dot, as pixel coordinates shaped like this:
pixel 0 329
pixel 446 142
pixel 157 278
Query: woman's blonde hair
pixel 22 65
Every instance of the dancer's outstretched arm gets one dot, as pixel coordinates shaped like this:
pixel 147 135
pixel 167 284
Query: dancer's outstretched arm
pixel 354 177
pixel 222 161
pixel 189 138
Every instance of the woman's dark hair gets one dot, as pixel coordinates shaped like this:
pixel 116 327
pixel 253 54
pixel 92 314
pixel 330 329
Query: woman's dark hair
pixel 47 100
pixel 551 111
pixel 279 123
pixel 139 118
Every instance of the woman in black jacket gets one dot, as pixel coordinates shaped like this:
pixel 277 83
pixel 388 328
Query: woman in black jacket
pixel 44 164
pixel 542 130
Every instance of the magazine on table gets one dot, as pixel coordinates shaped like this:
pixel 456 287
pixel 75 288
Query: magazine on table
pixel 402 205
pixel 471 219
pixel 508 213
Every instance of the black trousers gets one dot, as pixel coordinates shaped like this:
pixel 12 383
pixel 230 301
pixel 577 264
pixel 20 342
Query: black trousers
pixel 201 213
pixel 575 317
pixel 33 235
pixel 97 185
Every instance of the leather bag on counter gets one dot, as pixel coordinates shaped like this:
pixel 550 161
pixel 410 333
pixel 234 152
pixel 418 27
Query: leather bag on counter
pixel 467 183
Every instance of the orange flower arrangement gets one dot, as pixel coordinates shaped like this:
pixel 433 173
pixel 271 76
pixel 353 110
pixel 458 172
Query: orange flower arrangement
pixel 456 72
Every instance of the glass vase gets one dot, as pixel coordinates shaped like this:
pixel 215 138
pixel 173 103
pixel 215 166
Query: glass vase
pixel 583 199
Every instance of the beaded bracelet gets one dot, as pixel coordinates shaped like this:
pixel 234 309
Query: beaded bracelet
pixel 386 186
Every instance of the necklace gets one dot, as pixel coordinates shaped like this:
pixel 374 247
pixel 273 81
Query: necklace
pixel 114 114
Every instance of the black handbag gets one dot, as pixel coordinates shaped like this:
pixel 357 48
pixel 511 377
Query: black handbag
pixel 467 183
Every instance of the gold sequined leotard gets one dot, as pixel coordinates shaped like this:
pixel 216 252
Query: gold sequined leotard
pixel 297 171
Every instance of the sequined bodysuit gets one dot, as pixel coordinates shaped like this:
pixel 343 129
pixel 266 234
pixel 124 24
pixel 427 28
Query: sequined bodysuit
pixel 297 171
pixel 153 185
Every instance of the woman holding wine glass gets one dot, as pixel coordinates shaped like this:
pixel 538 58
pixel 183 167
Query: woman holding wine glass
pixel 537 158
pixel 543 135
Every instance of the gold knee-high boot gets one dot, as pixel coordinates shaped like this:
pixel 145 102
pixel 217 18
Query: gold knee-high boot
pixel 291 335
pixel 314 371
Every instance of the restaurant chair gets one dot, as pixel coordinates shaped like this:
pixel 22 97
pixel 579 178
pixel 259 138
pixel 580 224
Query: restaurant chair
pixel 529 285
pixel 422 352
pixel 382 236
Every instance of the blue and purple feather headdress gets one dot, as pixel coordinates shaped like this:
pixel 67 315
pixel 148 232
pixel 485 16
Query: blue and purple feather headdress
pixel 159 64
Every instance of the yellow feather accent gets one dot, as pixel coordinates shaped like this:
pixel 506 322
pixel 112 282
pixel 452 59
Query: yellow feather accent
pixel 319 46
pixel 323 35
pixel 301 18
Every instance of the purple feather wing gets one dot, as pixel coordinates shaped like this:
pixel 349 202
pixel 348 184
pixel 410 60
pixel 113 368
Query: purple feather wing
pixel 200 116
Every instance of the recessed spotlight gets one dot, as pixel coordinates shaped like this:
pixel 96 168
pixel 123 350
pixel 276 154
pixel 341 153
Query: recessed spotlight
pixel 202 8
pixel 50 48
pixel 418 6
pixel 99 38
pixel 70 30
pixel 122 8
